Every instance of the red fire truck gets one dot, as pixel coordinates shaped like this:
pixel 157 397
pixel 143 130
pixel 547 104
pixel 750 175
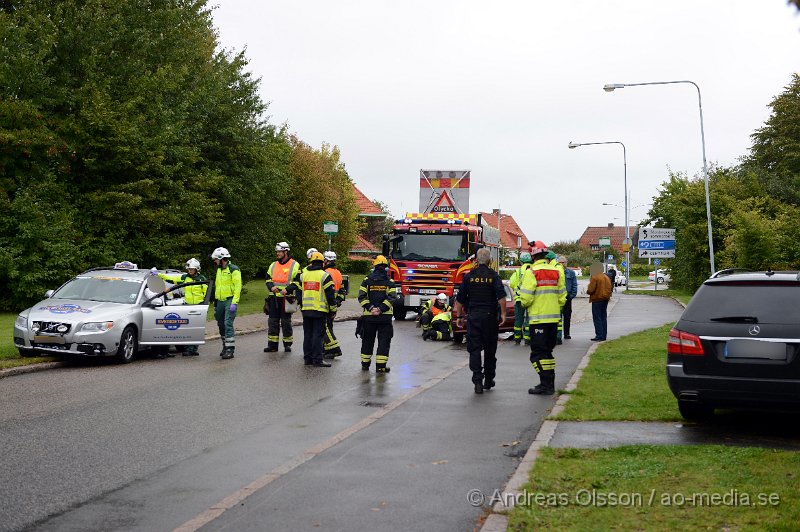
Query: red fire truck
pixel 429 253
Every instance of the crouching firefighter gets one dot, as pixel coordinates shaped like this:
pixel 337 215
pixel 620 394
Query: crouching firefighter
pixel 441 327
pixel 433 307
pixel 543 293
pixel 376 296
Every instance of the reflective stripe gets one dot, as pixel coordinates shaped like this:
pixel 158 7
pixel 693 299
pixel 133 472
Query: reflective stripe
pixel 524 291
pixel 547 291
pixel 545 317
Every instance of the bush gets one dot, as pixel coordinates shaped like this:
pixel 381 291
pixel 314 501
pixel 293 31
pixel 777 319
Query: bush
pixel 362 267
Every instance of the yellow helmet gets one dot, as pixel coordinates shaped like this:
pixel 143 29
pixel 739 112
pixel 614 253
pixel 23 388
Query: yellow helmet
pixel 316 255
pixel 380 259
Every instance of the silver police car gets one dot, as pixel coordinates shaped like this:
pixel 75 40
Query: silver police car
pixel 110 312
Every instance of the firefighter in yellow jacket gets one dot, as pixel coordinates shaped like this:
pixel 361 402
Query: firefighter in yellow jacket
pixel 543 293
pixel 319 298
pixel 521 330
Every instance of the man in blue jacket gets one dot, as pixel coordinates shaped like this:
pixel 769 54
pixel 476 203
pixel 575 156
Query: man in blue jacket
pixel 571 282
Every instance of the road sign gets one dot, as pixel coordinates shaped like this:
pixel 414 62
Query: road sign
pixel 604 241
pixel 611 257
pixel 665 253
pixel 657 262
pixel 330 228
pixel 656 233
pixel 624 263
pixel 656 244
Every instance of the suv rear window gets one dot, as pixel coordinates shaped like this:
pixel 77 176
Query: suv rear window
pixel 768 302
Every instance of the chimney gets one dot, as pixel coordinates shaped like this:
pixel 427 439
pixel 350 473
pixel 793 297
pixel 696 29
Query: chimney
pixel 611 226
pixel 496 212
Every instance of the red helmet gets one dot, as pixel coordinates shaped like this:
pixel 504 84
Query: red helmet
pixel 537 247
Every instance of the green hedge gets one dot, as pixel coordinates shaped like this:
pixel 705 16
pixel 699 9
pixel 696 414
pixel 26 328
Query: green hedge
pixel 361 267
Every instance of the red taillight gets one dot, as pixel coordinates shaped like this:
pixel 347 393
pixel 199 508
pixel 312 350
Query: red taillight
pixel 683 343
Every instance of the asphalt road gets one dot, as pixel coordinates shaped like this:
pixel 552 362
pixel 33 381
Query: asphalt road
pixel 154 444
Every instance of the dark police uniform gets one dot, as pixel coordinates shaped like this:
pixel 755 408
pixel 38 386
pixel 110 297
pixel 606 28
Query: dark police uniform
pixel 478 295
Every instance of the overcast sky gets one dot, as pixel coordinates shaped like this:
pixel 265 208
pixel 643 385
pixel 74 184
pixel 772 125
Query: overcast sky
pixel 500 88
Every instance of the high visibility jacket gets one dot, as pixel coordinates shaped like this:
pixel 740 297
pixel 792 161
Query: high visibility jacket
pixel 192 295
pixel 281 275
pixel 228 283
pixel 336 275
pixel 445 317
pixel 543 292
pixel 318 293
pixel 516 279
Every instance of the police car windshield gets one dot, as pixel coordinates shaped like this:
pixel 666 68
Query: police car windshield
pixel 429 247
pixel 105 289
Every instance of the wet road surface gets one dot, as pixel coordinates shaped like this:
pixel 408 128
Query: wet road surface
pixel 155 444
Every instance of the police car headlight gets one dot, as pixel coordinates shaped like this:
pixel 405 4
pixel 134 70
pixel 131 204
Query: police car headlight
pixel 21 322
pixel 101 326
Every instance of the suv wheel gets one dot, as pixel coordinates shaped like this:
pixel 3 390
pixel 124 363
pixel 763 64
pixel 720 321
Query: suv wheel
pixel 127 345
pixel 695 411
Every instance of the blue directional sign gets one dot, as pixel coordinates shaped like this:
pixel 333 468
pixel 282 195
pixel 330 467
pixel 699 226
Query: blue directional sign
pixel 656 244
pixel 624 263
pixel 657 262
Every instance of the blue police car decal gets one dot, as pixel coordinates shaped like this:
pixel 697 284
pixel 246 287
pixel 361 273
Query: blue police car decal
pixel 172 321
pixel 66 309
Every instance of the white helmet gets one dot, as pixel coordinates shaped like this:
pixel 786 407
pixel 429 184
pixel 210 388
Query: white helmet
pixel 442 297
pixel 193 263
pixel 310 251
pixel 281 246
pixel 220 253
pixel 329 255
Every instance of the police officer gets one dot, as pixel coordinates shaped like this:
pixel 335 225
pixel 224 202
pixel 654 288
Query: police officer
pixel 227 290
pixel 376 296
pixel 480 293
pixel 279 275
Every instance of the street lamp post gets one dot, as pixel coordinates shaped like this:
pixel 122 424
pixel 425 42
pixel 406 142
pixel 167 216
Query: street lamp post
pixel 610 87
pixel 627 242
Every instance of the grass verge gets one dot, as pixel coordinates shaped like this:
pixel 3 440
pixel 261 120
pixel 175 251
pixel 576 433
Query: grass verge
pixel 661 488
pixel 680 295
pixel 625 381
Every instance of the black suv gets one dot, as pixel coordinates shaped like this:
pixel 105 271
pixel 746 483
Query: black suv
pixel 737 344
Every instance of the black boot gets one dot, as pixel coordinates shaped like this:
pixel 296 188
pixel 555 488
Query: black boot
pixel 271 349
pixel 287 348
pixel 381 368
pixel 478 387
pixel 488 384
pixel 228 353
pixel 547 386
pixel 365 366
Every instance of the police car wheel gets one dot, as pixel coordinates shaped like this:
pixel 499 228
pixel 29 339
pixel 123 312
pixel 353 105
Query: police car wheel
pixel 127 345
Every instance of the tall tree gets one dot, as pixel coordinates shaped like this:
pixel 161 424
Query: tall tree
pixel 130 135
pixel 776 146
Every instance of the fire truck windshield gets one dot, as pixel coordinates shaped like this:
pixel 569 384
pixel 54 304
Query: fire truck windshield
pixel 430 247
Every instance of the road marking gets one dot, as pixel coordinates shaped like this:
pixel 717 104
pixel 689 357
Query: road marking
pixel 235 498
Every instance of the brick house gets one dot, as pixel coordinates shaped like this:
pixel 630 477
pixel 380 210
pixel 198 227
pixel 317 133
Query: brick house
pixel 372 215
pixel 591 236
pixel 512 237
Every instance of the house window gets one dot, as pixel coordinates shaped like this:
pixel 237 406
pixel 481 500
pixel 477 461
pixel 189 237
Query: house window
pixel 595 247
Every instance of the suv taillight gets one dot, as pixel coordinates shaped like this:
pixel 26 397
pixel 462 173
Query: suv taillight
pixel 683 343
